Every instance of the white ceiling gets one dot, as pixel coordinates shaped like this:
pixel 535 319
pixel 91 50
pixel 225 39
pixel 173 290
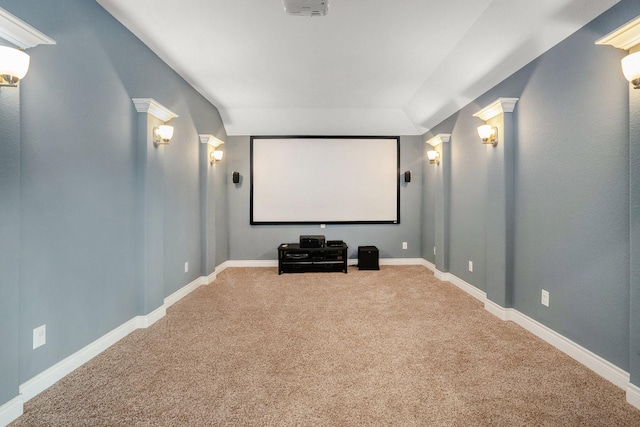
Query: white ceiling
pixel 370 67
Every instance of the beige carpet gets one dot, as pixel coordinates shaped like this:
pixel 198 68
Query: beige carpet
pixel 389 347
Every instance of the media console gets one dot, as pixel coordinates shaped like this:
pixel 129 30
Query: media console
pixel 295 259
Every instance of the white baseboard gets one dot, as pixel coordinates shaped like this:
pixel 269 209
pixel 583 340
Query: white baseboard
pixel 252 263
pixel 50 376
pixel 143 322
pixel 184 291
pixel 633 395
pixel 10 411
pixel 597 364
pixel 401 261
pixel 589 359
pixel 467 287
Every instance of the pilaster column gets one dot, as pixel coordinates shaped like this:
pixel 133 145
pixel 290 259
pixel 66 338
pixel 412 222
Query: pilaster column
pixel 442 189
pixel 150 174
pixel 500 201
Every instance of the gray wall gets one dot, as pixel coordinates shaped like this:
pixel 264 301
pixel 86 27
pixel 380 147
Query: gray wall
pixel 9 241
pixel 259 242
pixel 77 172
pixel 571 220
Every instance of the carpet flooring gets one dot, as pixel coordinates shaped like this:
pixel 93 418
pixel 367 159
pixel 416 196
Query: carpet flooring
pixel 390 347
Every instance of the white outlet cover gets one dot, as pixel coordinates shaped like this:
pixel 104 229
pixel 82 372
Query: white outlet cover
pixel 322 226
pixel 39 336
pixel 404 245
pixel 471 266
pixel 186 267
pixel 434 250
pixel 544 298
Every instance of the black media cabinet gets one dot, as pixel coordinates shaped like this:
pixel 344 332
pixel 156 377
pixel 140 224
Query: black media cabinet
pixel 294 259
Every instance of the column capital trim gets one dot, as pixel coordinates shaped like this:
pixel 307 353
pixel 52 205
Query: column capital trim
pixel 499 106
pixel 439 139
pixel 21 34
pixel 153 107
pixel 624 37
pixel 211 140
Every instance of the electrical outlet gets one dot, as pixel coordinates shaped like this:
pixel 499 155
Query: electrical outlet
pixel 186 267
pixel 544 299
pixel 322 226
pixel 39 336
pixel 404 245
pixel 471 266
pixel 434 250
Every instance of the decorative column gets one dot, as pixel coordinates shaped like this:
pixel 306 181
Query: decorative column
pixel 442 190
pixel 22 35
pixel 627 38
pixel 500 201
pixel 150 180
pixel 208 146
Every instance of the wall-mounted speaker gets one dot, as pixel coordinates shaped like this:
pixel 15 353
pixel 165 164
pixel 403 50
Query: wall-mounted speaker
pixel 235 177
pixel 407 176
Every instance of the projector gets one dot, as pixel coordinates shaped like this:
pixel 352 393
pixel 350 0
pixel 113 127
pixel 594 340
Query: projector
pixel 306 7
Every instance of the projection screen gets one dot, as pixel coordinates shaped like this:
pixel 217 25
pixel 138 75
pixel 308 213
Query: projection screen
pixel 325 180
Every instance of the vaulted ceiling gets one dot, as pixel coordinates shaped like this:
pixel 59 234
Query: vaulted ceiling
pixel 370 67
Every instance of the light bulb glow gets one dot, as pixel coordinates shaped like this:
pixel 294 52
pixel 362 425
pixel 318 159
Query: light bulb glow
pixel 433 156
pixel 631 68
pixel 14 64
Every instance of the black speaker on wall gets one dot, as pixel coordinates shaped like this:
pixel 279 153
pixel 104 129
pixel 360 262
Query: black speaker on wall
pixel 407 176
pixel 235 177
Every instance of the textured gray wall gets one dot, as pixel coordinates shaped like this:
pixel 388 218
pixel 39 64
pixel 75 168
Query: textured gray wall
pixel 571 207
pixel 249 242
pixel 9 241
pixel 79 266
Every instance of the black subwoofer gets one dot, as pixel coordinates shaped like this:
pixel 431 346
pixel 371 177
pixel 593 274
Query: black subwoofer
pixel 368 258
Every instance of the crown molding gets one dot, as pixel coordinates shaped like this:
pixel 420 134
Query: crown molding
pixel 19 33
pixel 153 107
pixel 210 139
pixel 499 106
pixel 439 139
pixel 624 37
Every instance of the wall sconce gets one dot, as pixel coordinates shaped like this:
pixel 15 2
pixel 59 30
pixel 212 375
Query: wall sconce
pixel 488 134
pixel 215 155
pixel 434 157
pixel 631 69
pixel 162 135
pixel 14 65
pixel 627 37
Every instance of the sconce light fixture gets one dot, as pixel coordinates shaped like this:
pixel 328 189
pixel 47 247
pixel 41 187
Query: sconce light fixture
pixel 162 135
pixel 627 37
pixel 215 155
pixel 631 69
pixel 488 134
pixel 434 157
pixel 14 65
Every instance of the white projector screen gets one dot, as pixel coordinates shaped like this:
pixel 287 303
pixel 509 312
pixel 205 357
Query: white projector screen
pixel 325 180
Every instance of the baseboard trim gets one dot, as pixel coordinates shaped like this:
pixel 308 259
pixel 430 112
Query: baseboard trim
pixel 50 376
pixel 633 395
pixel 597 364
pixel 184 291
pixel 467 287
pixel 402 261
pixel 11 410
pixel 252 263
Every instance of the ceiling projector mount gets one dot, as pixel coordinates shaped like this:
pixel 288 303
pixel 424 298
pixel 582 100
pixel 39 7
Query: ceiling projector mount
pixel 306 7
